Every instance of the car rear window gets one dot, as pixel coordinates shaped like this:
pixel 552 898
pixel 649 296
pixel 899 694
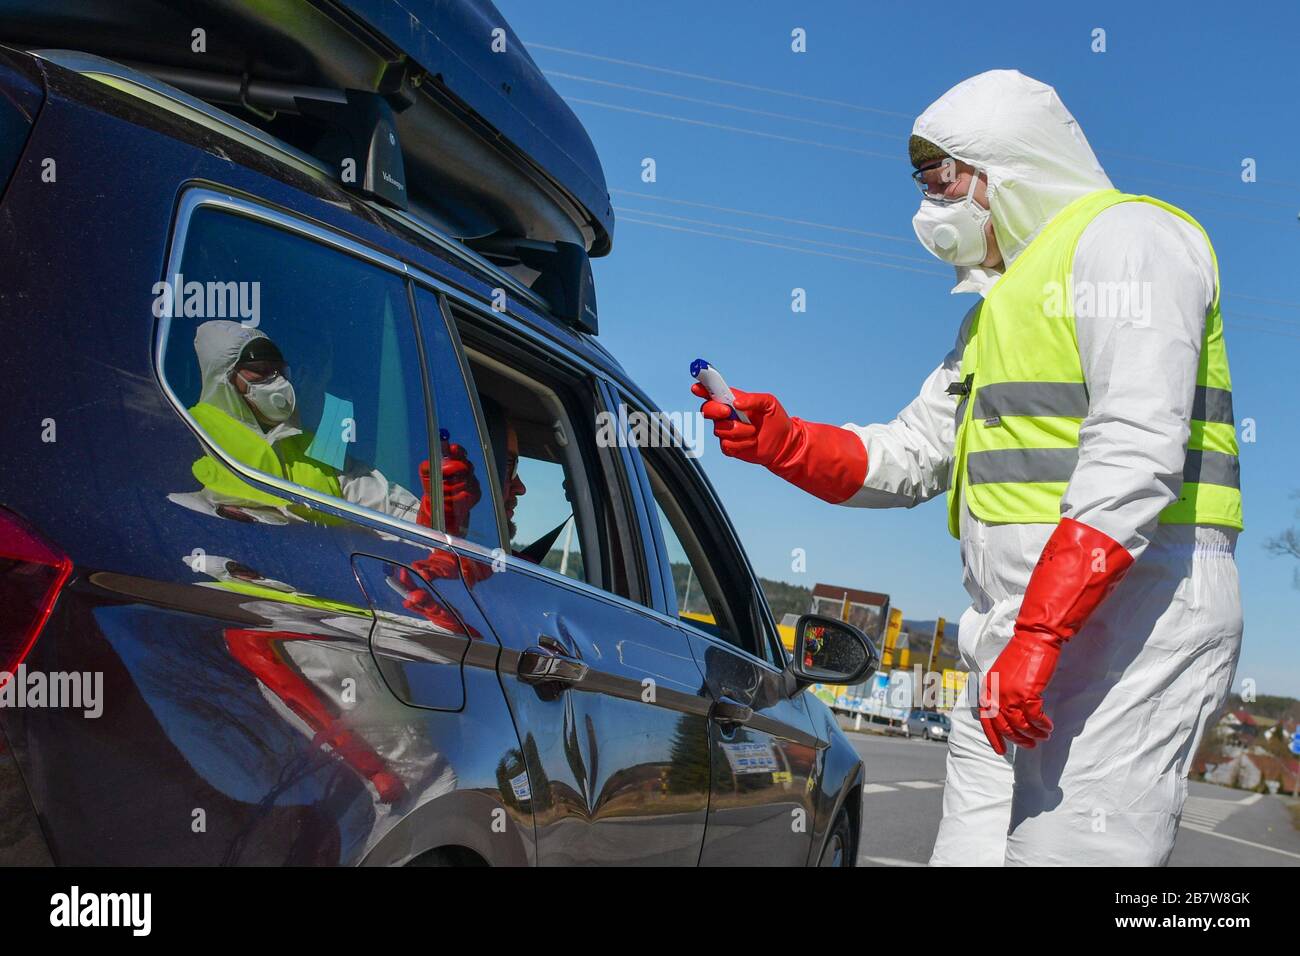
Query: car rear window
pixel 298 361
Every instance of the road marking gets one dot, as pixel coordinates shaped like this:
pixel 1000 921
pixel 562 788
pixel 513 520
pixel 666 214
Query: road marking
pixel 891 861
pixel 910 784
pixel 1225 836
pixel 1205 812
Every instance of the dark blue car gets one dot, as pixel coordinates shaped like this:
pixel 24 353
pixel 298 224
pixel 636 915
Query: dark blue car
pixel 329 533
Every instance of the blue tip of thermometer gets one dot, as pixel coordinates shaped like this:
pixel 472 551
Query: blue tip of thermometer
pixel 716 386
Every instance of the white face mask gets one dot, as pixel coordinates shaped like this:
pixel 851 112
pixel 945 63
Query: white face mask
pixel 274 399
pixel 954 231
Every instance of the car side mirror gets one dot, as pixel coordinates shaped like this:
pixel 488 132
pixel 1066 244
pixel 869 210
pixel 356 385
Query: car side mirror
pixel 830 651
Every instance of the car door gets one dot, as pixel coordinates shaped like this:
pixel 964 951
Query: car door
pixel 250 722
pixel 606 693
pixel 764 752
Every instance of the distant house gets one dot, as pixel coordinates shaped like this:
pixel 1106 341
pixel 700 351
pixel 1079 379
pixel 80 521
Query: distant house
pixel 1236 728
pixel 1246 771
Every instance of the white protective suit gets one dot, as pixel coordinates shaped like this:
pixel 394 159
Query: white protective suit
pixel 218 344
pixel 1136 686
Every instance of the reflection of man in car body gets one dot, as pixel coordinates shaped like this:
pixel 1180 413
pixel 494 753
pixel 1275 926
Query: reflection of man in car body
pixel 248 406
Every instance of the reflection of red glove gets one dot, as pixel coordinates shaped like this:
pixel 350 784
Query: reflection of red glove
pixel 460 490
pixel 260 652
pixel 441 564
pixel 825 460
pixel 421 600
pixel 1078 569
pixel 447 564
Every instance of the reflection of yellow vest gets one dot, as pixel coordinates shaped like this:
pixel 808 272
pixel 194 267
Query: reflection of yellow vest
pixel 285 459
pixel 287 597
pixel 1017 437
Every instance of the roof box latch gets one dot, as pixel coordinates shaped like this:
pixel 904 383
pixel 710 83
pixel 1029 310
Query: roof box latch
pixel 564 279
pixel 362 144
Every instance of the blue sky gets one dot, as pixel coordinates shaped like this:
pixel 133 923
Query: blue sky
pixel 1172 107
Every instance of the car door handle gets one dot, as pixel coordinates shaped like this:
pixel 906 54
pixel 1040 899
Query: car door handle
pixel 728 711
pixel 547 660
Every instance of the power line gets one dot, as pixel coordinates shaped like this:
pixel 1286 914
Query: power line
pixel 1290 207
pixel 1188 166
pixel 719 80
pixel 886 265
pixel 772 235
pixel 744 130
pixel 859 107
pixel 735 129
pixel 762 215
pixel 869 233
pixel 789 117
pixel 1203 212
pixel 1151 160
pixel 1233 313
pixel 1234 318
pixel 1267 331
pixel 774 245
pixel 839 148
pixel 1255 298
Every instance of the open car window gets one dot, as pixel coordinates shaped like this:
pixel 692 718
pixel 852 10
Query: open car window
pixel 712 592
pixel 553 485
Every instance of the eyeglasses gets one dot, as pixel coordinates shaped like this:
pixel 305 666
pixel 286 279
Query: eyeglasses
pixel 933 179
pixel 261 369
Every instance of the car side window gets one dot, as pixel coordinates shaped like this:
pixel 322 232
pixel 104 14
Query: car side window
pixel 555 486
pixel 708 596
pixel 296 360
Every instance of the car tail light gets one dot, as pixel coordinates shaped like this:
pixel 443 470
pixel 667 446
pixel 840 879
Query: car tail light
pixel 32 571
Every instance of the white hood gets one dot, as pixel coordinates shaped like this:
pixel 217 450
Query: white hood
pixel 218 344
pixel 1017 131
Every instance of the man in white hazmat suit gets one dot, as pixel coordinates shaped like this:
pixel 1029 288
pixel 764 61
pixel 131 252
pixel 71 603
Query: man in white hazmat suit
pixel 1083 429
pixel 249 408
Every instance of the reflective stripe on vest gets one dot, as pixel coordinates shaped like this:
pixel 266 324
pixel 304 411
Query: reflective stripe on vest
pixel 1070 400
pixel 1057 464
pixel 1017 434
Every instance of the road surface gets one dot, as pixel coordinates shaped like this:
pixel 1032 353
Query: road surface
pixel 903 800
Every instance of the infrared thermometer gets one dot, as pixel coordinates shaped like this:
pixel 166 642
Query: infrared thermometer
pixel 716 386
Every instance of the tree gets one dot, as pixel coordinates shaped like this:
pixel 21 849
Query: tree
pixel 1288 543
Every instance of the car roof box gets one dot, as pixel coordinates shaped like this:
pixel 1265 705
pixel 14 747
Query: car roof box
pixel 486 147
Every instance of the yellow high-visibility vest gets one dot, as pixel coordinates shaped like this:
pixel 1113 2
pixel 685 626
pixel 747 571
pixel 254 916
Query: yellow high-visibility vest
pixel 1017 440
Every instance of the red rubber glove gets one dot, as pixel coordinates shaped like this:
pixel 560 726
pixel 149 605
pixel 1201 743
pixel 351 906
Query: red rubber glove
pixel 825 460
pixel 1077 570
pixel 460 491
